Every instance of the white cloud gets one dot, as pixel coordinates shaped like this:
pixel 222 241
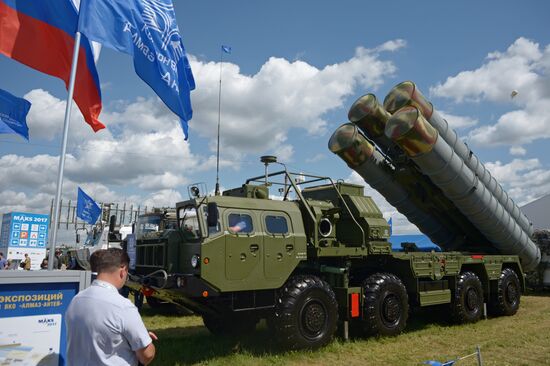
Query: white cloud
pixel 524 67
pixel 517 151
pixel 524 179
pixel 281 96
pixel 163 198
pixel 142 149
pixel 458 121
pixel 46 117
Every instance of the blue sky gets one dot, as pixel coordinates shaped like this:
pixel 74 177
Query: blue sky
pixel 295 69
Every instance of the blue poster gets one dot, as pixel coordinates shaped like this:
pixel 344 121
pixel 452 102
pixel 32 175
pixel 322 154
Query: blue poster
pixel 24 230
pixel 32 324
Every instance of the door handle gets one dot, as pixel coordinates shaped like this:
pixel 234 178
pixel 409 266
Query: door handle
pixel 289 247
pixel 254 248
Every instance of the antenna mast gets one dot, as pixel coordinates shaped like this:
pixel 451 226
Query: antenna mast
pixel 217 191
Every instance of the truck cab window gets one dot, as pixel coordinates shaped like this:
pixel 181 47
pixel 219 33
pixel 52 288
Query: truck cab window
pixel 188 221
pixel 240 223
pixel 212 229
pixel 276 224
pixel 147 224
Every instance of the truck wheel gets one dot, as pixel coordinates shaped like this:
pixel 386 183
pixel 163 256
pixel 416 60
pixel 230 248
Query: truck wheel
pixel 507 298
pixel 306 314
pixel 385 306
pixel 230 325
pixel 467 304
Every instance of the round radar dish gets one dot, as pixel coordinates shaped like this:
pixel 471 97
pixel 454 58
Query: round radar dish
pixel 268 159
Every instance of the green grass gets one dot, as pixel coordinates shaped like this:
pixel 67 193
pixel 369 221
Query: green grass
pixel 523 339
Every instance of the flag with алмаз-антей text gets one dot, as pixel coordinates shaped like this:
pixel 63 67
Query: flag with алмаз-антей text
pixel 40 34
pixel 86 208
pixel 148 31
pixel 13 114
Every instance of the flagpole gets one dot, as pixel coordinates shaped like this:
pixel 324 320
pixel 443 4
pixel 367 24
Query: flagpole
pixel 61 168
pixel 217 191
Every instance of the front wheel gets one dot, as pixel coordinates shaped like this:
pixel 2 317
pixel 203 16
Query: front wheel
pixel 386 305
pixel 507 297
pixel 467 304
pixel 306 314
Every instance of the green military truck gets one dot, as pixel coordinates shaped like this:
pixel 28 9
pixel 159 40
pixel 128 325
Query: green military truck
pixel 319 259
pixel 310 264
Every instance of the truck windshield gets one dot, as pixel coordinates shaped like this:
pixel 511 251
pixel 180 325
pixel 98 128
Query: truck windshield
pixel 188 222
pixel 147 224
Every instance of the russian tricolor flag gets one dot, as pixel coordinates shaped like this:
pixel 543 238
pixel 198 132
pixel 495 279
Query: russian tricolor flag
pixel 40 34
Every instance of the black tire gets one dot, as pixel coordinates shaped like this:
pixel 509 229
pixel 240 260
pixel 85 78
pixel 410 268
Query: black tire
pixel 230 325
pixel 306 314
pixel 507 297
pixel 385 305
pixel 467 303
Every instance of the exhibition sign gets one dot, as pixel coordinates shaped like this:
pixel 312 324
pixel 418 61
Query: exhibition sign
pixel 25 233
pixel 32 315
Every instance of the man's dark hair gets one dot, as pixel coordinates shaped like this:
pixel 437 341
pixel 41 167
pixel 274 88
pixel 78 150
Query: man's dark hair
pixel 1 254
pixel 108 260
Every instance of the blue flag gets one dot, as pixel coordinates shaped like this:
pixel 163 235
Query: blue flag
pixel 226 49
pixel 148 31
pixel 86 208
pixel 390 222
pixel 13 114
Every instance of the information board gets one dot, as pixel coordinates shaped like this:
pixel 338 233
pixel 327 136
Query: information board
pixel 32 315
pixel 25 233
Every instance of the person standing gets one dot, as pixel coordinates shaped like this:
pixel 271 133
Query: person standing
pixel 71 263
pixel 104 328
pixel 3 262
pixel 27 263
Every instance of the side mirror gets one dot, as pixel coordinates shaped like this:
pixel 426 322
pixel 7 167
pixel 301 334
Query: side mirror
pixel 112 224
pixel 213 214
pixel 77 238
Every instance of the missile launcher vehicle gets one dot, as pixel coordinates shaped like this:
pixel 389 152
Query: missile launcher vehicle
pixel 319 259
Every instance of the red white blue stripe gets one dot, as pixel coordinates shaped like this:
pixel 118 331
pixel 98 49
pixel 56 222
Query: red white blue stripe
pixel 40 34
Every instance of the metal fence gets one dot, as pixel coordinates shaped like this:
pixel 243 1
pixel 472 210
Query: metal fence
pixel 126 214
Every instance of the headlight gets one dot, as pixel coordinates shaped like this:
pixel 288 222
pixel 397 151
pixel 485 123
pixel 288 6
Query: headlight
pixel 195 260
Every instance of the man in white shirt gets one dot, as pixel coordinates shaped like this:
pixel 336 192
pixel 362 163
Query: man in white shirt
pixel 104 328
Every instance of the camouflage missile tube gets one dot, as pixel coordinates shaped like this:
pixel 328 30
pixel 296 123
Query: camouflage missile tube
pixel 440 162
pixel 408 94
pixel 361 156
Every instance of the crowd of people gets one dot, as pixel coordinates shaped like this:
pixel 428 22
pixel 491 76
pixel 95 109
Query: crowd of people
pixel 60 261
pixel 6 264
